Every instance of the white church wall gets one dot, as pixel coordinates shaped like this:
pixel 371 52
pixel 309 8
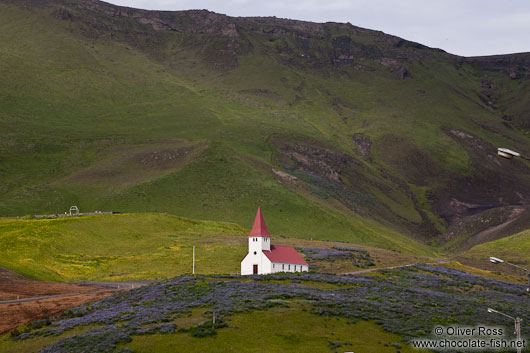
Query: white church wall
pixel 286 267
pixel 255 258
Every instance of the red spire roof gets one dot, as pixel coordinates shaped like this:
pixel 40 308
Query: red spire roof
pixel 259 229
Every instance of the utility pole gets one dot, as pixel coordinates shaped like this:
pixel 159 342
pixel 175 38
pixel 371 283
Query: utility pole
pixel 517 321
pixel 518 332
pixel 193 268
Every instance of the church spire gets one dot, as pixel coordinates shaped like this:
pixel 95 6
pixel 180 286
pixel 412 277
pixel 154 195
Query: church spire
pixel 259 229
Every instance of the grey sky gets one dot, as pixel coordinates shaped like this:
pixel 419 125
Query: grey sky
pixel 463 27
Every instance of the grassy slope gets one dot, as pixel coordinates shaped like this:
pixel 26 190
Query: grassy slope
pixel 119 247
pixel 7 345
pixel 515 248
pixel 300 330
pixel 132 246
pixel 75 98
pixel 219 185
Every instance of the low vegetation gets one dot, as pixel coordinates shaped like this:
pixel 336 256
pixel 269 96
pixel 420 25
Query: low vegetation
pixel 119 247
pixel 514 249
pixel 407 302
pixel 141 246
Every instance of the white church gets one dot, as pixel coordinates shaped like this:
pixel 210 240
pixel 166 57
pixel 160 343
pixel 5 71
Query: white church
pixel 264 258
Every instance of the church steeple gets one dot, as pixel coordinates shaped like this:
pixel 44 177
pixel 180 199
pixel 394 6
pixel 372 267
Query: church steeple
pixel 259 229
pixel 259 238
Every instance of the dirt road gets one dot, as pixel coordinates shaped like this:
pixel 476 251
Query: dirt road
pixel 23 300
pixel 439 261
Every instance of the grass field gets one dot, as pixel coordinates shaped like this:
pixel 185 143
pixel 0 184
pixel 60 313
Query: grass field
pixel 256 331
pixel 119 247
pixel 280 330
pixel 514 249
pixel 7 345
pixel 140 246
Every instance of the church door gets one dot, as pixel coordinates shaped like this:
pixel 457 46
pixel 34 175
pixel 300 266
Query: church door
pixel 255 269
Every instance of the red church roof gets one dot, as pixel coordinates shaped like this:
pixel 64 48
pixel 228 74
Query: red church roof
pixel 259 229
pixel 286 254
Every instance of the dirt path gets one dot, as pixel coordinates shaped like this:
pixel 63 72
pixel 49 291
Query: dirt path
pixel 16 287
pixel 13 315
pixel 439 261
pixel 489 234
pixel 23 300
pixel 31 299
pixel 117 284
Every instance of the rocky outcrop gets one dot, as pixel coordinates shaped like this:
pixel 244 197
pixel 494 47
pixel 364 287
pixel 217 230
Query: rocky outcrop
pixel 400 71
pixel 517 66
pixel 300 44
pixel 63 14
pixel 306 44
pixel 363 143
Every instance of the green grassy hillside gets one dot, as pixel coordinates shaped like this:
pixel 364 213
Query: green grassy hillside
pixel 118 247
pixel 144 246
pixel 301 330
pixel 339 132
pixel 514 249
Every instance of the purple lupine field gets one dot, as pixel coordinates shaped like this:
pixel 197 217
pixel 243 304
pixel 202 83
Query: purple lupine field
pixel 408 301
pixel 358 257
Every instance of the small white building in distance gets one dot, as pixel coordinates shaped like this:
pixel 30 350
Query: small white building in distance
pixel 264 258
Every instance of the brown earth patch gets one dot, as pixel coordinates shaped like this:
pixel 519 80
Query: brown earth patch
pixel 415 164
pixel 128 165
pixel 363 143
pixel 13 315
pixel 491 233
pixel 13 287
